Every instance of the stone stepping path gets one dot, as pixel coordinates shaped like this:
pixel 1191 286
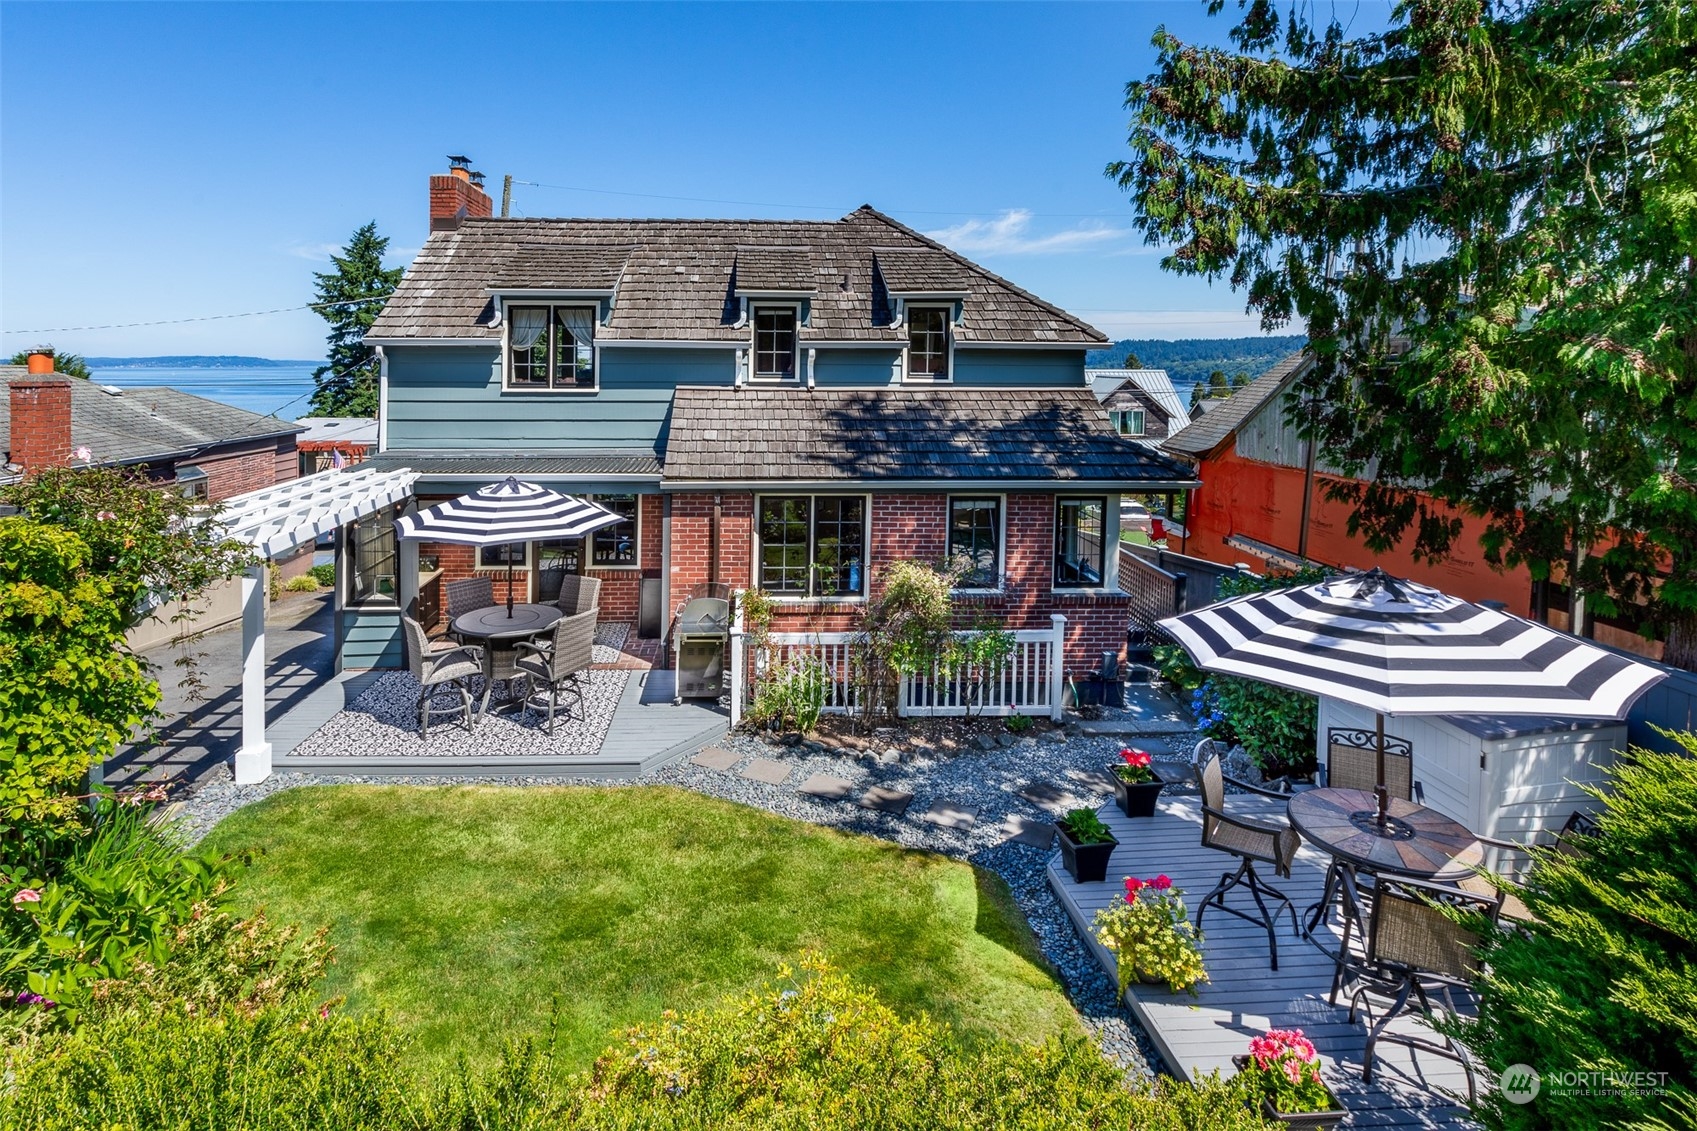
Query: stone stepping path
pixel 1027 830
pixel 886 800
pixel 948 815
pixel 827 787
pixel 1050 797
pixel 715 758
pixel 767 770
pixel 1097 781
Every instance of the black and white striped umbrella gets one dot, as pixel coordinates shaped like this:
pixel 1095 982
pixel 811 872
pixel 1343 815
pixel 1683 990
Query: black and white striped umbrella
pixel 1400 648
pixel 506 512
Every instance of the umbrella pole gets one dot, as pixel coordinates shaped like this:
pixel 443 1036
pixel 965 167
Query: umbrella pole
pixel 1384 794
pixel 510 617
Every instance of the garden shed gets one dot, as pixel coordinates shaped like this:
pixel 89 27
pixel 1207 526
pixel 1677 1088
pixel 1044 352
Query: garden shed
pixel 1516 777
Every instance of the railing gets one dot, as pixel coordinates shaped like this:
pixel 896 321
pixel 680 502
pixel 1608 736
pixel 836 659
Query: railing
pixel 1155 593
pixel 1028 683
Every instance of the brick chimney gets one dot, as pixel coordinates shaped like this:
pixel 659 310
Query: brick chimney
pixel 41 416
pixel 456 194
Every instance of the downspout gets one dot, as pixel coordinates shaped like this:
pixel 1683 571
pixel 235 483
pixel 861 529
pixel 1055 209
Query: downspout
pixel 382 399
pixel 1307 491
pixel 665 568
pixel 713 540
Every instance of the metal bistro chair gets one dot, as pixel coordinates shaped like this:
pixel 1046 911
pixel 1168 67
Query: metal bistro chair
pixel 579 594
pixel 1352 762
pixel 556 666
pixel 1570 841
pixel 467 594
pixel 1249 839
pixel 1416 949
pixel 437 672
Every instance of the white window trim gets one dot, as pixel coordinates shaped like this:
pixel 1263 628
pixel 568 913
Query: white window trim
pixel 507 386
pixel 907 342
pixel 865 541
pixel 1001 540
pixel 1110 545
pixel 518 567
pixel 755 306
pixel 589 566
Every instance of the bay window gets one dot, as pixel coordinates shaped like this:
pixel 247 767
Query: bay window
pixel 551 348
pixel 811 545
pixel 1080 542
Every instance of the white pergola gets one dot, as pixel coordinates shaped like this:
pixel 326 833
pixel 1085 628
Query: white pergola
pixel 274 521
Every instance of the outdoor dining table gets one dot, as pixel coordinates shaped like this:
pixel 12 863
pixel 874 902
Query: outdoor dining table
pixel 500 634
pixel 1413 841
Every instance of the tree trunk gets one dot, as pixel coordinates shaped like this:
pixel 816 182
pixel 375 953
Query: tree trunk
pixel 1679 649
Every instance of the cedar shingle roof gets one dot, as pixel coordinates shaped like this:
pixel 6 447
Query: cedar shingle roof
pixel 141 425
pixel 1208 430
pixel 937 434
pixel 676 281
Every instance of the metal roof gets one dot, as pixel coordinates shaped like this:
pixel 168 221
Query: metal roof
pixel 1207 432
pixel 1155 382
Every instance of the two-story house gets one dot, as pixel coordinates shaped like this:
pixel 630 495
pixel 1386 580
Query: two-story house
pixel 782 404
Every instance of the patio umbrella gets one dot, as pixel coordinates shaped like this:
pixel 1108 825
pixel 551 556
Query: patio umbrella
pixel 1400 648
pixel 505 512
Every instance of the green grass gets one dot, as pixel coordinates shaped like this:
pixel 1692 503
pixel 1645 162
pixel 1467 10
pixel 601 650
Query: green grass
pixel 468 913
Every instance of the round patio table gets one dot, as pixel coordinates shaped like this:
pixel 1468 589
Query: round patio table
pixel 1414 841
pixel 500 633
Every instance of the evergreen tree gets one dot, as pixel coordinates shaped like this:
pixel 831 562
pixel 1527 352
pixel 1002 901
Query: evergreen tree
pixel 64 364
pixel 1239 379
pixel 1131 362
pixel 349 298
pixel 1218 386
pixel 1484 215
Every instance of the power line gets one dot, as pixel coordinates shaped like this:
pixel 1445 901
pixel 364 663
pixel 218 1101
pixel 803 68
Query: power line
pixel 803 207
pixel 197 318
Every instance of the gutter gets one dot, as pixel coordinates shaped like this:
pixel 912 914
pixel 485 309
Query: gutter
pixel 934 485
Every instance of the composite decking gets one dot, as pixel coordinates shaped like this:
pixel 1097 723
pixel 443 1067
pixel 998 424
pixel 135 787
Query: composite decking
pixel 647 731
pixel 1245 996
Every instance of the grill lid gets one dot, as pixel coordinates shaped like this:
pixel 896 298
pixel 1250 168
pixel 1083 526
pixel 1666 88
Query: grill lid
pixel 705 614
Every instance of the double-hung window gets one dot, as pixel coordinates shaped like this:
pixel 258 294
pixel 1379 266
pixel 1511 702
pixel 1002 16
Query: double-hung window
pixel 1080 542
pixel 551 348
pixel 975 541
pixel 1130 422
pixel 812 545
pixel 774 343
pixel 928 343
pixel 615 546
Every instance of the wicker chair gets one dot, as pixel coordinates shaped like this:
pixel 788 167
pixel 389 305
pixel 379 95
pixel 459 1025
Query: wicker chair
pixel 437 672
pixel 1271 842
pixel 579 594
pixel 1416 950
pixel 467 594
pixel 556 666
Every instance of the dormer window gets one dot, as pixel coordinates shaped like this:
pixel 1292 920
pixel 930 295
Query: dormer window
pixel 774 343
pixel 551 348
pixel 928 343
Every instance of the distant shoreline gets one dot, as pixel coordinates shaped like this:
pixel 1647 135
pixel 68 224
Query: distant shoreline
pixel 197 361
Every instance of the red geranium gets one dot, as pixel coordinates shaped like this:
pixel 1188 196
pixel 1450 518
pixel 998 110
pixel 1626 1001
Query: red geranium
pixel 1135 767
pixel 1133 885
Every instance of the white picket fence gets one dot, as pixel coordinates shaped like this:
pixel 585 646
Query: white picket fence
pixel 1028 683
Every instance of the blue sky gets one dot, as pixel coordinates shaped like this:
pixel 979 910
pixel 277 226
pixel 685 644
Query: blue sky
pixel 160 161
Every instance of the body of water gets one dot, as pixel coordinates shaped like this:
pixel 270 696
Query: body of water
pixel 282 390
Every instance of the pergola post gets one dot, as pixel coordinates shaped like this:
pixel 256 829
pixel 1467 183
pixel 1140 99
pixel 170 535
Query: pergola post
pixel 253 759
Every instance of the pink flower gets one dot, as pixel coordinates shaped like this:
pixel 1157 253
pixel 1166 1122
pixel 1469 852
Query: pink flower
pixel 1161 882
pixel 82 453
pixel 105 516
pixel 1133 885
pixel 1293 1071
pixel 1132 757
pixel 27 895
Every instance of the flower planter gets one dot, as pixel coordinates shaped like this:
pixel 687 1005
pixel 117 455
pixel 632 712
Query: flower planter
pixel 1086 863
pixel 1310 1120
pixel 1137 799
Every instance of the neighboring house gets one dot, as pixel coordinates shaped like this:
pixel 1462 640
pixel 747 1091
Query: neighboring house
pixel 207 450
pixel 1256 481
pixel 1141 403
pixel 325 437
pixel 783 404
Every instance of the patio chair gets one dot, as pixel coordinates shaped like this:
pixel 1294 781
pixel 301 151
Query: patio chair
pixel 437 672
pixel 557 665
pixel 1250 840
pixel 1570 841
pixel 579 594
pixel 1418 945
pixel 1352 762
pixel 467 594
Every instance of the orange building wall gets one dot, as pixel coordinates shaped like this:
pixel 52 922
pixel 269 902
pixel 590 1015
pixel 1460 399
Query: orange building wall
pixel 1264 502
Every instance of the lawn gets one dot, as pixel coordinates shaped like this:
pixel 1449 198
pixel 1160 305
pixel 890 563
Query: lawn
pixel 475 914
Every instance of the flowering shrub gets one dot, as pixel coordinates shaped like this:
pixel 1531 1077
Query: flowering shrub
pixel 1284 1070
pixel 1211 719
pixel 1135 766
pixel 1151 936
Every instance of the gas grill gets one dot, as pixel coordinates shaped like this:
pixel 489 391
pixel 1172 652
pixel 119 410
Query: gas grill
pixel 698 644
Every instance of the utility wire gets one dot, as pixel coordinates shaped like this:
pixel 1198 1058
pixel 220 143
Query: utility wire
pixel 804 207
pixel 200 317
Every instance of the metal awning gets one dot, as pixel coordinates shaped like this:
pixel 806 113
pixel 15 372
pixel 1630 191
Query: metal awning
pixel 275 520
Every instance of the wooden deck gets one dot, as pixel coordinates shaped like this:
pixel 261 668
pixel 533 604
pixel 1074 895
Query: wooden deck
pixel 1245 996
pixel 647 732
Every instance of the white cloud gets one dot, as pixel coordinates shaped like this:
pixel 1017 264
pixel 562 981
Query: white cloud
pixel 1008 234
pixel 316 252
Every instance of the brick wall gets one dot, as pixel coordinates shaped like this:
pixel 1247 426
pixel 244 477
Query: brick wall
pixel 236 469
pixel 40 421
pixel 449 195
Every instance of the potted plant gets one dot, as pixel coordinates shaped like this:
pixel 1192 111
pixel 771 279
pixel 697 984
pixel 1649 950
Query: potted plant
pixel 1151 936
pixel 1284 1071
pixel 1136 784
pixel 1086 845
